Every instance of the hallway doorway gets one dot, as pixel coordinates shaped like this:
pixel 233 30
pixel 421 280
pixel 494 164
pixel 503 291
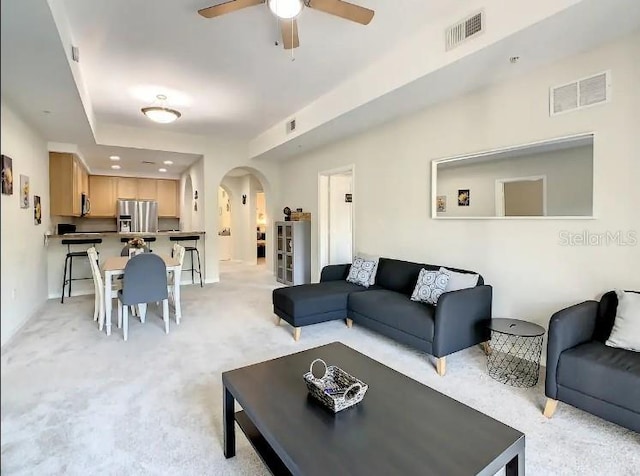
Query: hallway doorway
pixel 336 216
pixel 242 217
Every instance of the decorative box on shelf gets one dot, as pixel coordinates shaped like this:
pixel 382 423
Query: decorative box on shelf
pixel 300 216
pixel 336 389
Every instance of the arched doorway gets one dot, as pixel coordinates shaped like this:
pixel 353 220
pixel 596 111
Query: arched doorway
pixel 243 217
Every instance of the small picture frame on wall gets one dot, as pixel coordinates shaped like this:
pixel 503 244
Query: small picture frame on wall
pixel 441 203
pixel 464 196
pixel 37 210
pixel 24 191
pixel 7 175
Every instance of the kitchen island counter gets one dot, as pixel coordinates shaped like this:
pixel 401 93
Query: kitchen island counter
pixel 110 234
pixel 110 246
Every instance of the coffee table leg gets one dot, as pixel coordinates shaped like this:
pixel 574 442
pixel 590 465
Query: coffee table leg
pixel 515 467
pixel 228 422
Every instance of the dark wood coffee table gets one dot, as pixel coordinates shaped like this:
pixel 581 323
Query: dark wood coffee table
pixel 401 426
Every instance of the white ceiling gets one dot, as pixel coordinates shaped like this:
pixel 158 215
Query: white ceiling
pixel 228 79
pixel 35 73
pixel 132 161
pixel 225 74
pixel 580 28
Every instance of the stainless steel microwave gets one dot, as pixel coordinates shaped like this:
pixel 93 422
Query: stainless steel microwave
pixel 85 204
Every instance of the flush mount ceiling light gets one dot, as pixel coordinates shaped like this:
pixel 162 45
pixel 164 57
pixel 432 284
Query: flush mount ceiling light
pixel 162 170
pixel 168 162
pixel 159 112
pixel 115 167
pixel 115 158
pixel 285 9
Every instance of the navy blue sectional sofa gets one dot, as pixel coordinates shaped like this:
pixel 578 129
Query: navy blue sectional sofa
pixel 458 321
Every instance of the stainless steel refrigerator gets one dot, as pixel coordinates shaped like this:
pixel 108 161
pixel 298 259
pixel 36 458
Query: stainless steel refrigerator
pixel 143 213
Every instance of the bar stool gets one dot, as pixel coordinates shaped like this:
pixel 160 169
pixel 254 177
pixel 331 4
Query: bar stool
pixel 68 260
pixel 147 239
pixel 191 250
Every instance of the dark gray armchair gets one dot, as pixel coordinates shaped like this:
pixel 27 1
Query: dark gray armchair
pixel 144 281
pixel 584 372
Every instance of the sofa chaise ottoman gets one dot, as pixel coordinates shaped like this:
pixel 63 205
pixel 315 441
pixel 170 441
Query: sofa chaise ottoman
pixel 458 321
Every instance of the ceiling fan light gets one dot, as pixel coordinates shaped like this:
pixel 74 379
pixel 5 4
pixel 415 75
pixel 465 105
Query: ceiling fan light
pixel 163 115
pixel 286 9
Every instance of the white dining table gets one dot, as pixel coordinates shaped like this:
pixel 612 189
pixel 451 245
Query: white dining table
pixel 114 266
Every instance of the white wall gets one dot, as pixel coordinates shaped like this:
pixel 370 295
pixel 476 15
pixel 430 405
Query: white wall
pixel 24 257
pixel 340 238
pixel 191 181
pixel 568 172
pixel 224 209
pixel 532 273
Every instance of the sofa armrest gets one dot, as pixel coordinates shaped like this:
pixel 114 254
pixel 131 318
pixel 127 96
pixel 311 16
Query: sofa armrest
pixel 335 272
pixel 567 328
pixel 461 319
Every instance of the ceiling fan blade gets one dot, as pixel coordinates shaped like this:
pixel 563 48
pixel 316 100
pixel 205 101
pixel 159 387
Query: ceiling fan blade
pixel 228 7
pixel 289 30
pixel 345 10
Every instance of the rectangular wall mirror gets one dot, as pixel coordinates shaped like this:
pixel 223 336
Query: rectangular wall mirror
pixel 548 179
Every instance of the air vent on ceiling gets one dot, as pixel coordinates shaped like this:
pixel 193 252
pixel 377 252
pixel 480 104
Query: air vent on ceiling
pixel 464 29
pixel 291 126
pixel 148 162
pixel 579 94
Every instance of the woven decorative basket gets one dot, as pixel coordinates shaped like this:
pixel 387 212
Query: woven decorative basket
pixel 336 389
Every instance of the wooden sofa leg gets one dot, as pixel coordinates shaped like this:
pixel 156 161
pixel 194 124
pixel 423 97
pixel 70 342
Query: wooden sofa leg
pixel 279 321
pixel 296 333
pixel 441 366
pixel 349 322
pixel 550 407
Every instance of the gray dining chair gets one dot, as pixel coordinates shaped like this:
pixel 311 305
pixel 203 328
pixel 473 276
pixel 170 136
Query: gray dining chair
pixel 144 281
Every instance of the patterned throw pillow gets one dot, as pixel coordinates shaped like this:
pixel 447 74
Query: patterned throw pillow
pixel 361 271
pixel 430 285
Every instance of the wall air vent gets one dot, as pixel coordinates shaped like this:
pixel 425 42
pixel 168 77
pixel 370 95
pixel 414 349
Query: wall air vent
pixel 464 29
pixel 291 126
pixel 579 94
pixel 75 54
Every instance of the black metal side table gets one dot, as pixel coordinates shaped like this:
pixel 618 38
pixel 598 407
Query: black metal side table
pixel 513 356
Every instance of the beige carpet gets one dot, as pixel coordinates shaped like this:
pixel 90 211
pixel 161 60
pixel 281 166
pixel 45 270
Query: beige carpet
pixel 77 402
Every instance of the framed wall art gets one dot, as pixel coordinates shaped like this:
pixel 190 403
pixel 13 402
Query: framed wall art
pixel 463 197
pixel 7 175
pixel 24 191
pixel 37 210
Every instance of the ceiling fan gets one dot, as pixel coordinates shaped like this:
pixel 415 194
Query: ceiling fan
pixel 288 10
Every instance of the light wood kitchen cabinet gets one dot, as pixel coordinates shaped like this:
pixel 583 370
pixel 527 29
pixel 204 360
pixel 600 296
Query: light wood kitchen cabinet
pixel 102 193
pixel 147 189
pixel 168 198
pixel 84 175
pixel 66 184
pixel 105 190
pixel 126 187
